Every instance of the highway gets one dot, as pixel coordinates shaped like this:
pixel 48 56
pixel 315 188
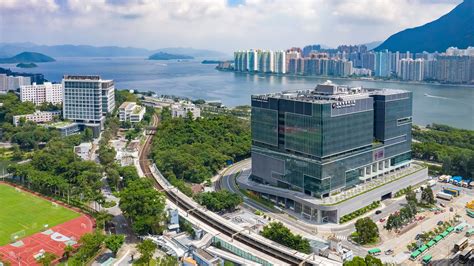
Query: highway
pixel 265 246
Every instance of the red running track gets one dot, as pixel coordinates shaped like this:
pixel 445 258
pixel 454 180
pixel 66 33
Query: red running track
pixel 53 243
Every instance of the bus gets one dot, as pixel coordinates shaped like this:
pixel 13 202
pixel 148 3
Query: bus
pixel 427 259
pixel 461 244
pixel 464 256
pixel 375 251
pixel 470 232
pixel 444 196
pixel 452 191
pixel 470 213
pixel 415 254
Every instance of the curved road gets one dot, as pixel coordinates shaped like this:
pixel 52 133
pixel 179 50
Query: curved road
pixel 228 182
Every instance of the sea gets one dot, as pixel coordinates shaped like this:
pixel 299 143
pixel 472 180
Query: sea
pixel 432 103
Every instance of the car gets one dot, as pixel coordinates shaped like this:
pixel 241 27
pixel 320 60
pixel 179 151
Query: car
pixel 388 252
pixel 418 236
pixel 451 209
pixel 378 212
pixel 442 205
pixel 382 220
pixel 440 223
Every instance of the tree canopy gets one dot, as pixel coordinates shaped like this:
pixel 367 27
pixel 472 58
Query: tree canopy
pixel 279 233
pixel 452 147
pixel 366 231
pixel 194 150
pixel 219 200
pixel 143 205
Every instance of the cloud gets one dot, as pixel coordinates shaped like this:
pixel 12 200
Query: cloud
pixel 217 24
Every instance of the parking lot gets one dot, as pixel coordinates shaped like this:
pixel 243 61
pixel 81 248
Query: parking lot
pixel 441 250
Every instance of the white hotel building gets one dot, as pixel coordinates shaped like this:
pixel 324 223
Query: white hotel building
pixel 87 100
pixel 38 94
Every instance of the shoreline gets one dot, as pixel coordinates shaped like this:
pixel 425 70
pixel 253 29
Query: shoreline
pixel 349 79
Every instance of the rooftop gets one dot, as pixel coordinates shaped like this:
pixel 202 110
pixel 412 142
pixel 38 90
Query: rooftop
pixel 329 92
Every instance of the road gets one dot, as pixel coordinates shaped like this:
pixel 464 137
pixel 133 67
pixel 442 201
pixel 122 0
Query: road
pixel 342 232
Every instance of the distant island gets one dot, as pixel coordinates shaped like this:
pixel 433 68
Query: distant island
pixel 210 62
pixel 167 56
pixel 26 65
pixel 27 57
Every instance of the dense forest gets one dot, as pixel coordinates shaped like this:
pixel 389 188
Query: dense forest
pixel 194 150
pixel 452 147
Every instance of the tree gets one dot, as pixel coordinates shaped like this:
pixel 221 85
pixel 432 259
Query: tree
pixel 373 261
pixel 427 196
pixel 367 231
pixel 47 259
pixel 68 249
pixel 219 200
pixel 167 261
pixel 90 245
pixel 143 205
pixel 279 233
pixel 411 195
pixel 356 261
pixel 146 248
pixel 87 135
pixel 114 242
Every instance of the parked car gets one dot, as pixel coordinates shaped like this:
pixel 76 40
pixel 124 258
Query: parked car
pixel 442 205
pixel 378 212
pixel 382 220
pixel 440 223
pixel 418 236
pixel 388 252
pixel 451 209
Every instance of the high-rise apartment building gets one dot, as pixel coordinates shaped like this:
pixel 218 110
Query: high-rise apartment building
pixel 11 83
pixel 42 93
pixel 382 63
pixel 88 99
pixel 325 140
pixel 412 69
pixel 279 62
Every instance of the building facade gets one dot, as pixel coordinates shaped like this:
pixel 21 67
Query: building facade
pixel 131 112
pixel 11 83
pixel 87 99
pixel 324 141
pixel 182 109
pixel 36 117
pixel 329 139
pixel 43 93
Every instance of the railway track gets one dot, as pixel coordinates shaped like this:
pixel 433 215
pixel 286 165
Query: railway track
pixel 276 252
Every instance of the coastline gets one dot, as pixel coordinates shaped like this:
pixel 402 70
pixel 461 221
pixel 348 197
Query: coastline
pixel 349 78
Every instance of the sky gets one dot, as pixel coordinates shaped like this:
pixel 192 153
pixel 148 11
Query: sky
pixel 223 25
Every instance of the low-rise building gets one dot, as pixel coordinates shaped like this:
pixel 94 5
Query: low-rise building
pixel 181 109
pixel 38 94
pixel 83 150
pixel 66 128
pixel 36 117
pixel 131 112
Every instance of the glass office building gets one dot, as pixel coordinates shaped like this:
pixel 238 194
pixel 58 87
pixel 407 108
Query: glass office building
pixel 330 138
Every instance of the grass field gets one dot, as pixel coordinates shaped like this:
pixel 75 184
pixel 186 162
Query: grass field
pixel 24 211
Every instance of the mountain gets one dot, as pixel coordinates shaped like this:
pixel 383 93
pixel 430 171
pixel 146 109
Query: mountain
pixel 27 57
pixel 167 56
pixel 372 45
pixel 69 50
pixel 451 29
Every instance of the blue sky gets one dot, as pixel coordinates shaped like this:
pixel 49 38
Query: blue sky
pixel 224 25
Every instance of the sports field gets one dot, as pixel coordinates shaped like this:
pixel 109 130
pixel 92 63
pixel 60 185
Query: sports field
pixel 20 210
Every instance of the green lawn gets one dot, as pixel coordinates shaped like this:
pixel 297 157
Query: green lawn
pixel 24 211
